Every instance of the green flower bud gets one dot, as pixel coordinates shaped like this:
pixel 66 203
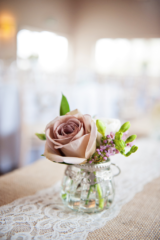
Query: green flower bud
pixel 125 127
pixel 101 127
pixel 118 135
pixel 131 138
pixel 119 144
pixel 134 149
pixel 122 152
pixel 128 154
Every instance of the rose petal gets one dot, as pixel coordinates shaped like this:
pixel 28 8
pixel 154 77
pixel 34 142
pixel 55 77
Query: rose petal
pixel 54 142
pixel 91 147
pixel 76 148
pixel 67 129
pixel 63 141
pixel 52 156
pixel 74 160
pixel 56 132
pixel 60 120
pixel 87 123
pixel 71 121
pixel 51 152
pixel 79 134
pixel 74 112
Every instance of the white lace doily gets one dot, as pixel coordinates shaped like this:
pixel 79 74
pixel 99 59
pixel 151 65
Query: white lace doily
pixel 43 215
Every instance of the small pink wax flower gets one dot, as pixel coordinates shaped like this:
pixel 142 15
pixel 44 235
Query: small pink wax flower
pixel 130 144
pixel 112 135
pixel 124 137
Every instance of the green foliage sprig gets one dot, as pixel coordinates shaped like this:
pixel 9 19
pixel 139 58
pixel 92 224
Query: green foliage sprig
pixel 121 144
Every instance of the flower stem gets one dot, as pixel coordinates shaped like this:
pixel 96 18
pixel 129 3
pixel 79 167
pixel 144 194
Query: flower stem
pixel 101 200
pixel 64 196
pixel 99 191
pixel 88 194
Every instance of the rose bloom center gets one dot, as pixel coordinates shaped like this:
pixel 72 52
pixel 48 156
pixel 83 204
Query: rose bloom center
pixel 68 128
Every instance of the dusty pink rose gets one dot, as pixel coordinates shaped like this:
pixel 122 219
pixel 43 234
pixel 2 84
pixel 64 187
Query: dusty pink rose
pixel 70 138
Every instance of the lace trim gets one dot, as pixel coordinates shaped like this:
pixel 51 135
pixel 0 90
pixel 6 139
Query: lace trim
pixel 43 215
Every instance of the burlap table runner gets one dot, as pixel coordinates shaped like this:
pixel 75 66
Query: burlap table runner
pixel 139 219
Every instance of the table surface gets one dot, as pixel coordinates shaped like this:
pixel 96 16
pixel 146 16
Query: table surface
pixel 138 219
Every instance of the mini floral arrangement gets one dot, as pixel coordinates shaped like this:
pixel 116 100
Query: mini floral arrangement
pixel 80 140
pixel 74 138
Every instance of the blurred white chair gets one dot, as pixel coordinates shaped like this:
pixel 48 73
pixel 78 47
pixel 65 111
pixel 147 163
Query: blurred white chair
pixel 9 127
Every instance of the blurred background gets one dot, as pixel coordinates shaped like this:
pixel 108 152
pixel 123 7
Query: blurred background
pixel 103 55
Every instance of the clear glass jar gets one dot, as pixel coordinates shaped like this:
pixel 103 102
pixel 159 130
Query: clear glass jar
pixel 88 188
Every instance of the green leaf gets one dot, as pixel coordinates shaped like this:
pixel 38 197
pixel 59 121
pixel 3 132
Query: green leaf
pixel 64 107
pixel 41 136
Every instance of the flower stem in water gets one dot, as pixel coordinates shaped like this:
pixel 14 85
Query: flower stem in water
pixel 89 194
pixel 101 200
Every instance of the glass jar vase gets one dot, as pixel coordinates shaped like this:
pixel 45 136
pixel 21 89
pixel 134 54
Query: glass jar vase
pixel 89 188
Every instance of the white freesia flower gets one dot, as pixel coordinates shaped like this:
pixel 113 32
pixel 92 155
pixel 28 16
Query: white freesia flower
pixel 112 125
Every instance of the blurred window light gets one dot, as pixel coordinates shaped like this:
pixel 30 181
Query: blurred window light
pixel 128 57
pixel 49 49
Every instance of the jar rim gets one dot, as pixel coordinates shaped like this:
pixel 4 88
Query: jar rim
pixel 93 167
